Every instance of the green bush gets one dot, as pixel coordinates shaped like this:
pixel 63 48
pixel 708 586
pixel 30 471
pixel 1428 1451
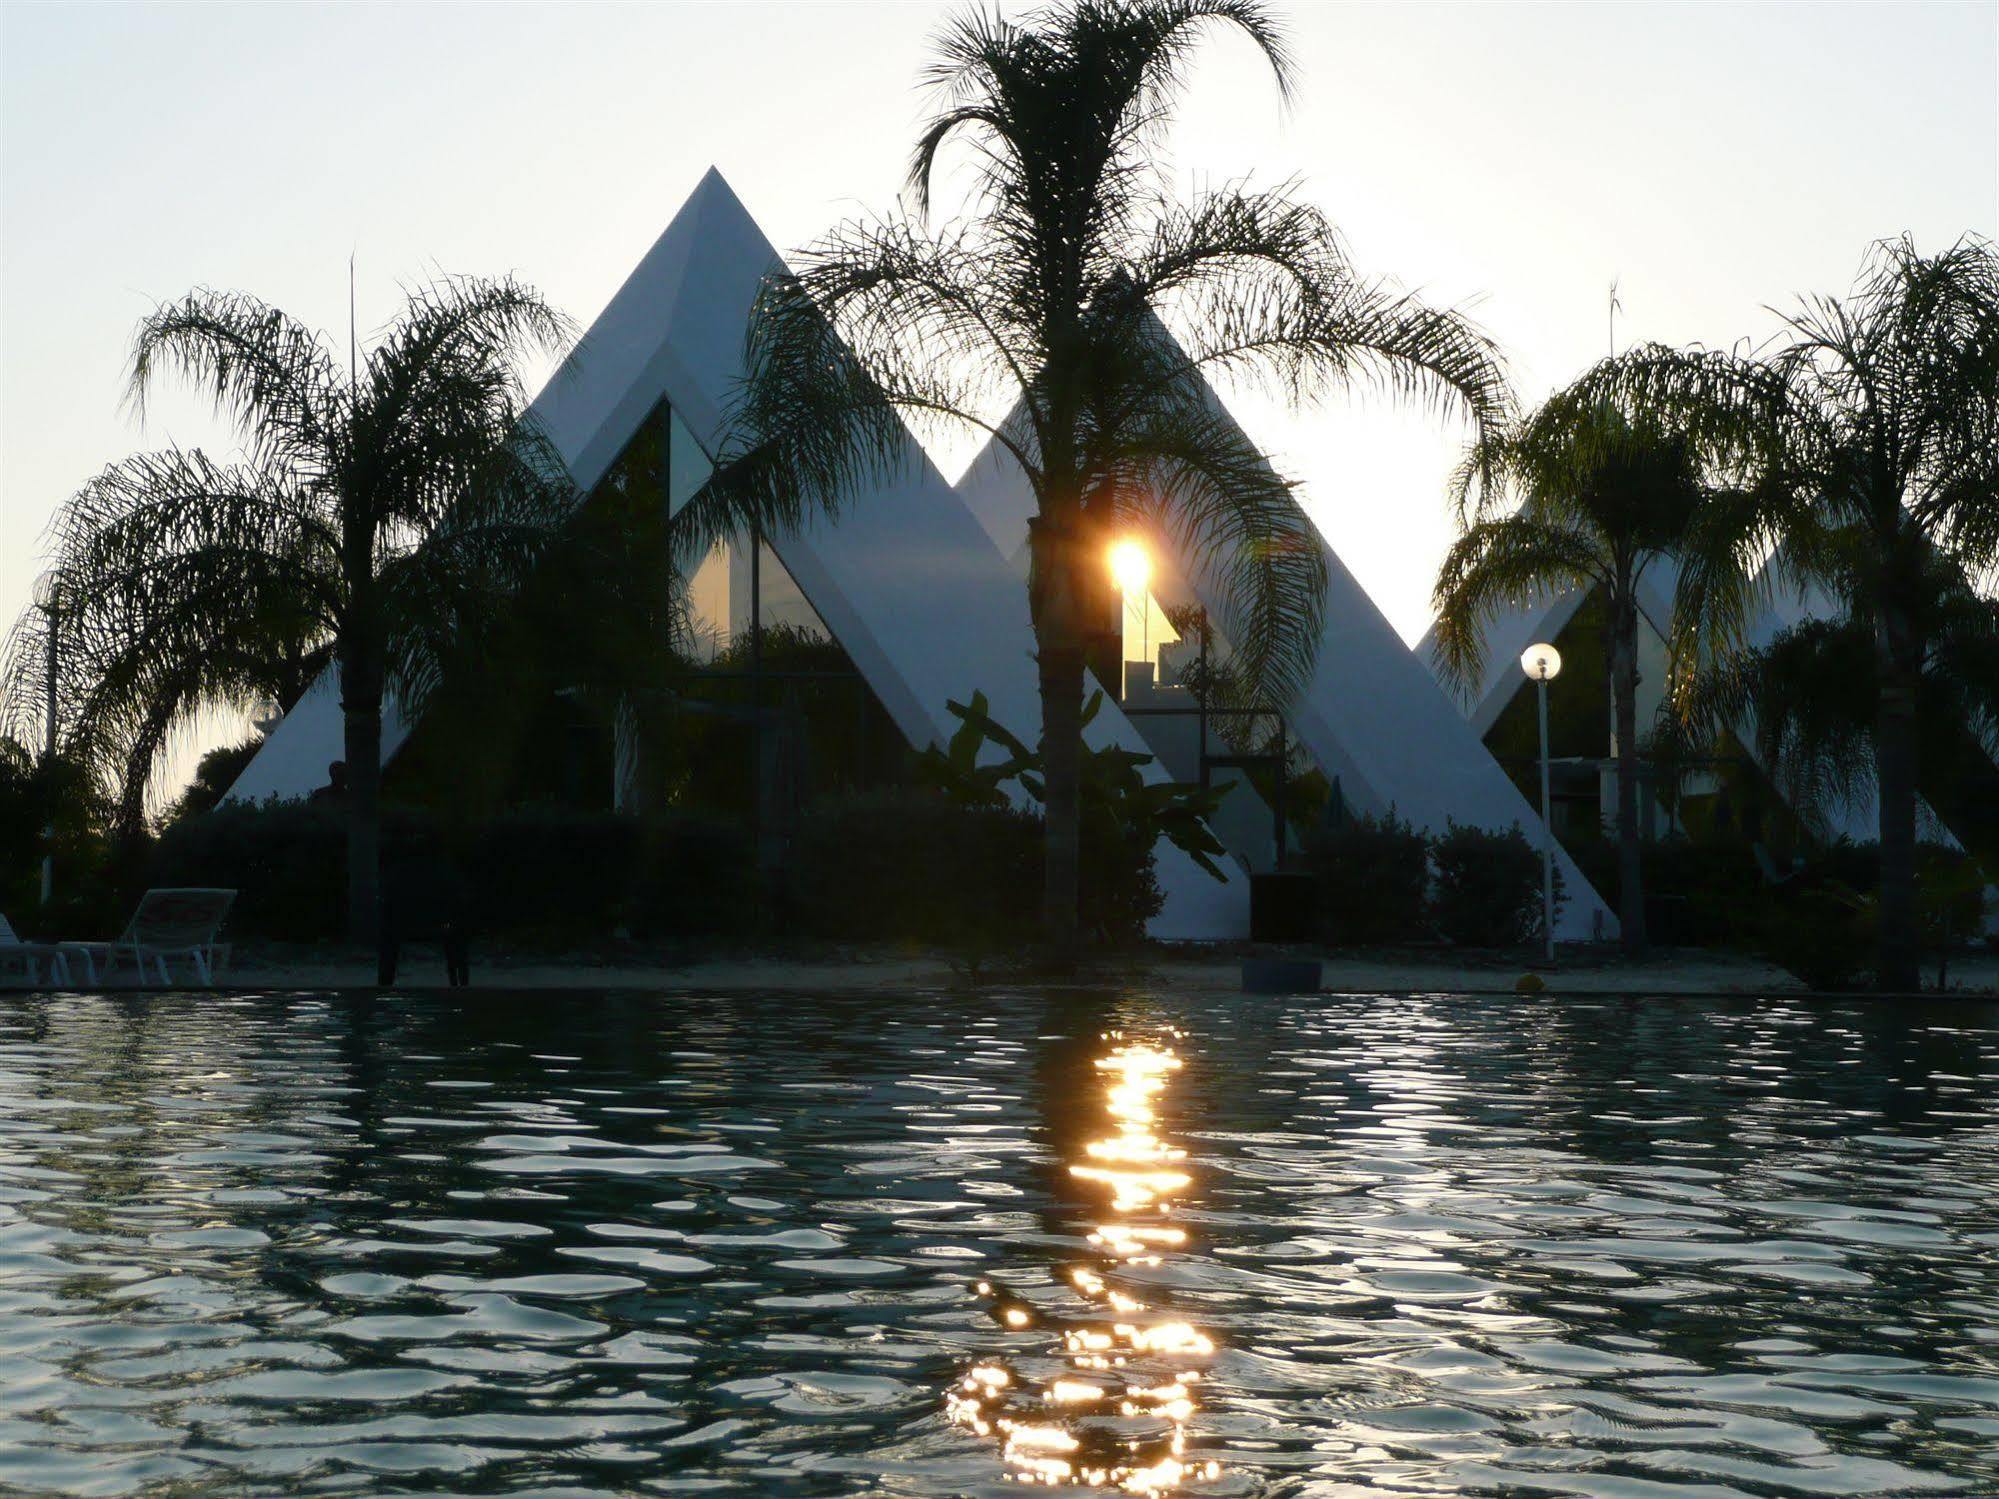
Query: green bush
pixel 921 867
pixel 896 866
pixel 1120 877
pixel 286 861
pixel 887 867
pixel 1486 890
pixel 54 808
pixel 542 874
pixel 1818 928
pixel 1373 878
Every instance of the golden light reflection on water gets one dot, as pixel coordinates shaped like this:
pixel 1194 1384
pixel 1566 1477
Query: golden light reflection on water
pixel 1114 1414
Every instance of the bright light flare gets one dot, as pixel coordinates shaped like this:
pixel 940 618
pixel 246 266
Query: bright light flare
pixel 1131 566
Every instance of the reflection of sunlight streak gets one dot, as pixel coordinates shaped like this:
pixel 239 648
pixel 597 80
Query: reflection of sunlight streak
pixel 1135 1405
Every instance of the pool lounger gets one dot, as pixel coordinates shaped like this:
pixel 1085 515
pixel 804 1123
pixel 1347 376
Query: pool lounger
pixel 167 924
pixel 29 958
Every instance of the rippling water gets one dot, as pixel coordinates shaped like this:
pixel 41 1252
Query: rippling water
pixel 1136 1242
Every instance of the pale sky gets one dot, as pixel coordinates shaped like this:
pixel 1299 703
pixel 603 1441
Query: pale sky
pixel 1712 158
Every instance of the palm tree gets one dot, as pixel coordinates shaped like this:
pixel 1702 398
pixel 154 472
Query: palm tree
pixel 126 664
pixel 1869 440
pixel 1081 298
pixel 1604 491
pixel 1811 692
pixel 377 511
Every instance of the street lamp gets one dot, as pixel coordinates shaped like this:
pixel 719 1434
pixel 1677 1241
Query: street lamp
pixel 1543 663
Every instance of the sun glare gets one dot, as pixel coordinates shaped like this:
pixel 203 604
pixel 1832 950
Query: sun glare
pixel 1131 566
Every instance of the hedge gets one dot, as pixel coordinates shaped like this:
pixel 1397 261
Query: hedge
pixel 899 866
pixel 916 866
pixel 539 874
pixel 1382 881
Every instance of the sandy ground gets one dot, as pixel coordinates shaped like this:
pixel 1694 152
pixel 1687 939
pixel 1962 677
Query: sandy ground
pixel 1668 973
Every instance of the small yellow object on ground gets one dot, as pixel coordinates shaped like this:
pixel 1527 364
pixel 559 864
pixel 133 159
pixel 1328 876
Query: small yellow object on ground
pixel 1530 983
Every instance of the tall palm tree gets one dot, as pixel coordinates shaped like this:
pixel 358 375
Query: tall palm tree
pixel 1603 492
pixel 378 509
pixel 1077 295
pixel 1810 694
pixel 1869 437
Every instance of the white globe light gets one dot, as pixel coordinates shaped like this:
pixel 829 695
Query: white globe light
pixel 1542 663
pixel 1131 566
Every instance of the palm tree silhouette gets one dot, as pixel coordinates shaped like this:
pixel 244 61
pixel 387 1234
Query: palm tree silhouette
pixel 1867 447
pixel 1604 491
pixel 376 512
pixel 1081 298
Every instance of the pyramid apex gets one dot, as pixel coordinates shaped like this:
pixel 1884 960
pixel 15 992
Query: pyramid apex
pixel 713 182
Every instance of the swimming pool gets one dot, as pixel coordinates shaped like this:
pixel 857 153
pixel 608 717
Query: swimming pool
pixel 942 1244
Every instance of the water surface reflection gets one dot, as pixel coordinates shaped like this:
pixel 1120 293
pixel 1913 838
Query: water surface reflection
pixel 1107 1405
pixel 688 1246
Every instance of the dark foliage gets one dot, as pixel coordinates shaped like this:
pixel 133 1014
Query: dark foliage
pixel 1487 887
pixel 537 875
pixel 1817 918
pixel 921 867
pixel 55 807
pixel 1114 791
pixel 903 867
pixel 1373 879
pixel 213 777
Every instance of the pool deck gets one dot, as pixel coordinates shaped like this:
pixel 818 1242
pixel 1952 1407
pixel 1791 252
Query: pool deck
pixel 259 967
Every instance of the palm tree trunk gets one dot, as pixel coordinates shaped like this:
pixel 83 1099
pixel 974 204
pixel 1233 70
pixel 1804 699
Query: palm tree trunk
pixel 1624 697
pixel 1896 968
pixel 1061 760
pixel 361 711
pixel 1056 607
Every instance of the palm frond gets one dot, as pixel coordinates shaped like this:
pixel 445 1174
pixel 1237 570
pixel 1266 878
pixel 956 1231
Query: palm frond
pixel 442 398
pixel 1186 467
pixel 271 376
pixel 1496 563
pixel 188 586
pixel 809 429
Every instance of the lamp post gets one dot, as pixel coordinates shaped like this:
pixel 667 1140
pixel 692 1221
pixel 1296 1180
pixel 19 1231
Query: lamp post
pixel 1543 663
pixel 54 616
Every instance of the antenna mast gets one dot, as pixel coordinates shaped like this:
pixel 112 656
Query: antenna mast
pixel 353 342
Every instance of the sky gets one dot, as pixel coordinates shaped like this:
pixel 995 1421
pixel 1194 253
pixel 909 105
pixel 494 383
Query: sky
pixel 1714 160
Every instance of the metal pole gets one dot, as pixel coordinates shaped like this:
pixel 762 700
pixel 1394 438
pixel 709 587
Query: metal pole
pixel 49 706
pixel 1547 832
pixel 49 756
pixel 756 695
pixel 1201 698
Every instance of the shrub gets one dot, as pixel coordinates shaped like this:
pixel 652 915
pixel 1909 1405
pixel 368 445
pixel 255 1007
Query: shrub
pixel 1372 879
pixel 1817 928
pixel 540 873
pixel 286 861
pixel 897 866
pixel 921 867
pixel 1120 878
pixel 1487 888
pixel 556 873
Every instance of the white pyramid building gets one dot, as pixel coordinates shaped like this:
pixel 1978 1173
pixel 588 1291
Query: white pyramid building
pixel 906 581
pixel 1514 629
pixel 1372 715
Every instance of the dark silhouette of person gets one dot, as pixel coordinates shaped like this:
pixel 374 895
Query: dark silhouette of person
pixel 425 899
pixel 335 789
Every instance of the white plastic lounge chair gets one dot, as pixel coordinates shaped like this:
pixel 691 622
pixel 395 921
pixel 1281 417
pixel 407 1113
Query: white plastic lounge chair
pixel 168 924
pixel 30 959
